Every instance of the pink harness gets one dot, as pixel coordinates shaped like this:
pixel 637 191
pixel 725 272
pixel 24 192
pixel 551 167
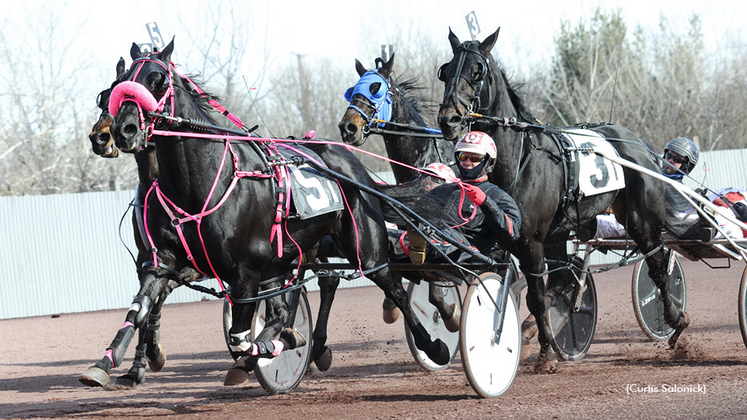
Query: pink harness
pixel 145 101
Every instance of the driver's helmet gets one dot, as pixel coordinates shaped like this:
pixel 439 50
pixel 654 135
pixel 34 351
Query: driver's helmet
pixel 441 170
pixel 479 143
pixel 687 149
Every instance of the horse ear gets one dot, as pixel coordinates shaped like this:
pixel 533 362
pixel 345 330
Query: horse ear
pixel 165 55
pixel 359 68
pixel 455 43
pixel 120 66
pixel 135 51
pixel 489 42
pixel 386 69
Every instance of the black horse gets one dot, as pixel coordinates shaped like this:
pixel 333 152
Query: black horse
pixel 202 213
pixel 148 350
pixel 380 103
pixel 532 167
pixel 379 95
pixel 103 145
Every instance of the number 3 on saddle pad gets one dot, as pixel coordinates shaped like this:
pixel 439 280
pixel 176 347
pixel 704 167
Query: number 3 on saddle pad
pixel 596 174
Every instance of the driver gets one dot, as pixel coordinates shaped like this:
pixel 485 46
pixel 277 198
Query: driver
pixel 489 216
pixel 682 220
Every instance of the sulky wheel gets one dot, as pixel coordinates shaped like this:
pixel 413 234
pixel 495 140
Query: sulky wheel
pixel 647 305
pixel 282 374
pixel 431 320
pixel 572 330
pixel 743 306
pixel 490 355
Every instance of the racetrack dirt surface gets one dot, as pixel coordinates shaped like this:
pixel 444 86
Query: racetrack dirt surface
pixel 374 376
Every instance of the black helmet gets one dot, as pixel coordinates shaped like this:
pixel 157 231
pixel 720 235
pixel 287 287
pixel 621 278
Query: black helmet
pixel 685 148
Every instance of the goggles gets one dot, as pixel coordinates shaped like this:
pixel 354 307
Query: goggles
pixel 463 157
pixel 675 159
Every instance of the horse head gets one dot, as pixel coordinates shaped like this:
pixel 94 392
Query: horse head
pixel 370 99
pixel 101 140
pixel 468 77
pixel 148 90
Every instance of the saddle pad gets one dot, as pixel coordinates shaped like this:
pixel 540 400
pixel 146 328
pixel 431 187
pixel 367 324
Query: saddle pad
pixel 313 193
pixel 596 174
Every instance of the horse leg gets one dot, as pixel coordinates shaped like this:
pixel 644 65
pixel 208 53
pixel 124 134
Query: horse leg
pixel 532 260
pixel 320 353
pixel 528 331
pixel 136 375
pixel 390 311
pixel 646 232
pixel 240 334
pixel 451 315
pixel 678 320
pixel 436 350
pixel 265 346
pixel 151 287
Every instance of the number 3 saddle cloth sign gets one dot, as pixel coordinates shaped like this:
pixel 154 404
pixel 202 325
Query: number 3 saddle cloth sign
pixel 594 173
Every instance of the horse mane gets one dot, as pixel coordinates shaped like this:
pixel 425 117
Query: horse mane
pixel 202 100
pixel 514 94
pixel 413 95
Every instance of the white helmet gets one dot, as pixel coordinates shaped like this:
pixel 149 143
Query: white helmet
pixel 476 142
pixel 441 170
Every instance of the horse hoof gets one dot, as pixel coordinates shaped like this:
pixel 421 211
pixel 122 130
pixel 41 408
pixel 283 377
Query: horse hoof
pixel 324 361
pixel 391 315
pixel 126 382
pixel 684 322
pixel 157 363
pixel 236 377
pixel 293 338
pixel 94 377
pixel 546 362
pixel 134 377
pixel 452 324
pixel 391 311
pixel 439 353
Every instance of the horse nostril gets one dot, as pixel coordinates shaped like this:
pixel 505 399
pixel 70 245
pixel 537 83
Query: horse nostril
pixel 351 128
pixel 454 121
pixel 130 130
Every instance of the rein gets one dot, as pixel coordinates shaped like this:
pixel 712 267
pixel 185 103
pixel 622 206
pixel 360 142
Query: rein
pixel 410 129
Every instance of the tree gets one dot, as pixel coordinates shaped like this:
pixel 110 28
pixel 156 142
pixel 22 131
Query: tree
pixel 44 146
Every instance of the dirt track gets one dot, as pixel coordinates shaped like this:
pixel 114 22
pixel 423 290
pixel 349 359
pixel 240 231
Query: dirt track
pixel 373 374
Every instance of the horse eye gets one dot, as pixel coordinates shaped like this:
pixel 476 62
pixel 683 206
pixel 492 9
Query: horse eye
pixel 476 71
pixel 441 74
pixel 375 89
pixel 157 83
pixel 162 84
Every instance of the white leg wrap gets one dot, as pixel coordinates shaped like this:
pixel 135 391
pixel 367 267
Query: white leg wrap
pixel 240 342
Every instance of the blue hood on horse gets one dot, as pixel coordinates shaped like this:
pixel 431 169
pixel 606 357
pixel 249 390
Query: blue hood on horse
pixel 382 99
